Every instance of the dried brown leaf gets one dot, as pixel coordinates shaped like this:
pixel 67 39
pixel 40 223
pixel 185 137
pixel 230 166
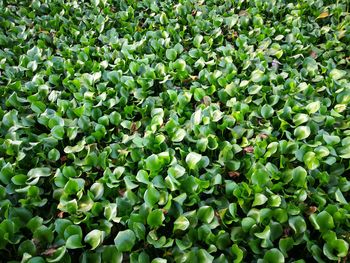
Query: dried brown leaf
pixel 323 15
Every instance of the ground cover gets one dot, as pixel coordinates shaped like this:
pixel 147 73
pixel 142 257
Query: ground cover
pixel 174 131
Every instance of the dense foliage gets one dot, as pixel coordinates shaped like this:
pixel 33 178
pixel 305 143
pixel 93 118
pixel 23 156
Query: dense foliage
pixel 179 131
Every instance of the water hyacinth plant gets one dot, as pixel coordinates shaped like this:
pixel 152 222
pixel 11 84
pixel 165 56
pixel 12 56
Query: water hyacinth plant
pixel 174 131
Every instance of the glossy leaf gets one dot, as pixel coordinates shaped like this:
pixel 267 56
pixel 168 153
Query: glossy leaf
pixel 94 238
pixel 125 240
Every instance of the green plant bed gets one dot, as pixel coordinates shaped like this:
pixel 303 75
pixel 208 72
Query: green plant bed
pixel 174 131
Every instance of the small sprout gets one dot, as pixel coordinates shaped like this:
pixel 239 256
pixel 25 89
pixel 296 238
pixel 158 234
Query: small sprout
pixel 60 214
pixel 50 251
pixel 311 210
pixel 122 192
pixel 263 136
pixel 233 174
pixel 248 149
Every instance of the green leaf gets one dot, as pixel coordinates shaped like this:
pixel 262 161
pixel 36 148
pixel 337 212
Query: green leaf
pixel 155 218
pixel 310 65
pixel 205 214
pixel 257 76
pixel 197 41
pixel 266 234
pixel 114 76
pixel 57 132
pixel 69 171
pixel 74 242
pixel 163 18
pixel 340 197
pixel 110 211
pixel 153 163
pixel 179 135
pixel 43 234
pixel 176 171
pixel 267 111
pixel 337 74
pixel 94 238
pixel 286 244
pixel 111 254
pixel 97 189
pixel 125 240
pixel 34 223
pixel 331 139
pixel 61 225
pixel 274 256
pixel 300 118
pixel 204 256
pixel 310 160
pixel 192 159
pixel 27 246
pixel 259 199
pixel 328 252
pixel 74 185
pixel 313 107
pixel 342 247
pixel 134 67
pixel 158 260
pixel 325 221
pixel 36 260
pixel 38 107
pixel 57 255
pixel 39 172
pixel 247 223
pixel 179 64
pixel 302 132
pixel 299 176
pixel 298 224
pixel 19 179
pixel 260 178
pixel 74 149
pixel 151 196
pixel 171 54
pixel 53 155
pixel 142 176
pixel 181 223
pixel 237 252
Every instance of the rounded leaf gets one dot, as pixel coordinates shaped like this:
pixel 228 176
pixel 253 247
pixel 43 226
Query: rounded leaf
pixel 257 75
pixel 274 256
pixel 179 135
pixel 302 132
pixel 57 132
pixel 192 159
pixel 53 155
pixel 205 214
pixel 313 107
pixel 74 242
pixel 94 238
pixel 125 240
pixel 324 221
pixel 181 223
pixel 171 54
pixel 197 41
pixel 179 64
pixel 298 224
pixel 155 218
pixel 267 111
pixel 310 160
pixel 299 176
